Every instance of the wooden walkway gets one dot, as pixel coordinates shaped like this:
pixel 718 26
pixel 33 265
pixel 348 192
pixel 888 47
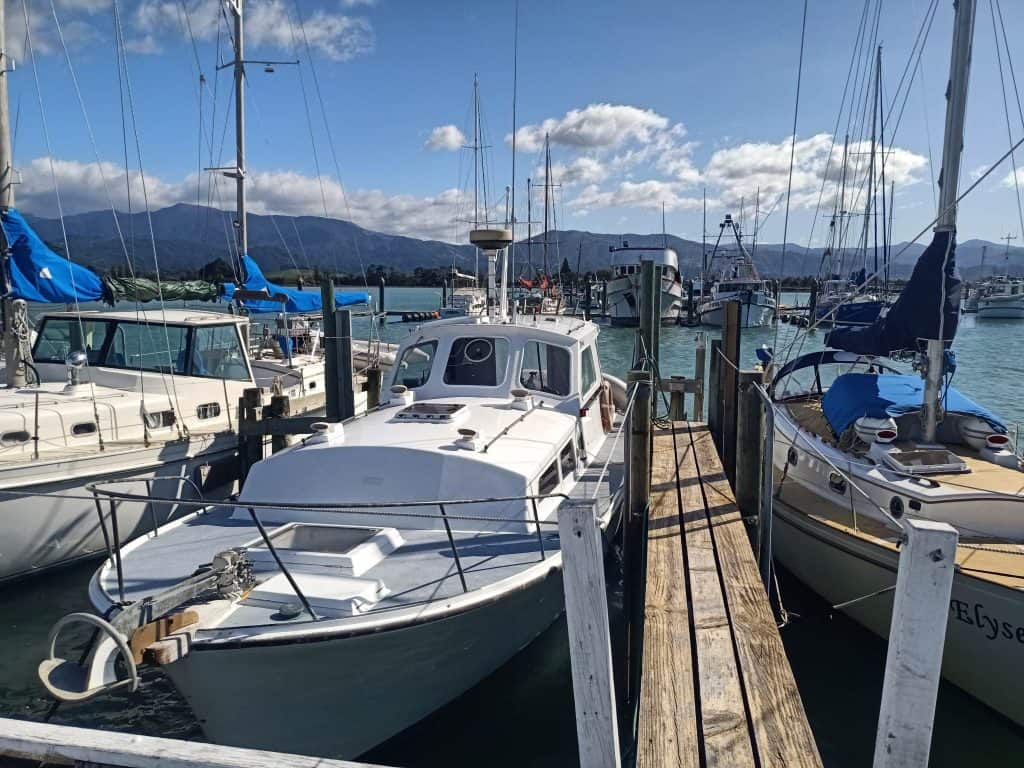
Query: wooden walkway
pixel 716 687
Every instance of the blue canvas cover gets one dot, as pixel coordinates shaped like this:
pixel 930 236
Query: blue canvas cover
pixel 36 273
pixel 878 396
pixel 298 301
pixel 915 315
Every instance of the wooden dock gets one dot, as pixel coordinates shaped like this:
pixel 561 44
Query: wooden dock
pixel 716 687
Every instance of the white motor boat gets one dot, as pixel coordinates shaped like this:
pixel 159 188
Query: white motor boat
pixel 624 286
pixel 467 298
pixel 378 569
pixel 1001 298
pixel 150 395
pixel 735 280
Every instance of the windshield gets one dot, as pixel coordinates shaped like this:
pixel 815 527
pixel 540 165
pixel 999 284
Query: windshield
pixel 477 362
pixel 413 369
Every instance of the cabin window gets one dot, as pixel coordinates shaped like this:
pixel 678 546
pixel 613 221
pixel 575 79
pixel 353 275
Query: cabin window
pixel 548 480
pixel 159 419
pixel 567 458
pixel 414 367
pixel 60 336
pixel 217 353
pixel 148 347
pixel 85 428
pixel 208 411
pixel 477 362
pixel 545 368
pixel 588 373
pixel 10 439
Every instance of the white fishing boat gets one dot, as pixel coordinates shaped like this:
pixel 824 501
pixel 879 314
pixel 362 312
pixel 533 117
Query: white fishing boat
pixel 624 286
pixel 1001 298
pixel 417 553
pixel 467 299
pixel 736 279
pixel 860 446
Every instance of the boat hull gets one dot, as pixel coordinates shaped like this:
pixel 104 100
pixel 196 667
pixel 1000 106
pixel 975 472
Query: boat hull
pixel 39 533
pixel 341 696
pixel 756 310
pixel 986 620
pixel 624 302
pixel 849 313
pixel 1009 309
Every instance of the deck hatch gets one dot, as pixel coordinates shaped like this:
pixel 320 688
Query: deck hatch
pixel 430 412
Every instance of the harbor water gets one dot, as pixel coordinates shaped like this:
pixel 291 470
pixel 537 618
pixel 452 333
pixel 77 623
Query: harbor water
pixel 526 707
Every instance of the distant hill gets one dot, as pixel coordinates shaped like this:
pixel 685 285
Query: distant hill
pixel 189 236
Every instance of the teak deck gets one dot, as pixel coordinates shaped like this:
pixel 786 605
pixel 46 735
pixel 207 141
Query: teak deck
pixel 716 687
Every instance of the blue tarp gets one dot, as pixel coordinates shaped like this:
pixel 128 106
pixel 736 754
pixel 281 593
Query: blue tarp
pixel 298 301
pixel 878 396
pixel 38 274
pixel 915 315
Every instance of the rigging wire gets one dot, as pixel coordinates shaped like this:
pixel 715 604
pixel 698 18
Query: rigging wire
pixel 1006 111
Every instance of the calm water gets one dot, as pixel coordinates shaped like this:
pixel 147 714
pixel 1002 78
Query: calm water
pixel 526 707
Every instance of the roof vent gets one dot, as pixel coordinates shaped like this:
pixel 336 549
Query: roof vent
pixel 468 440
pixel 326 433
pixel 401 395
pixel 522 400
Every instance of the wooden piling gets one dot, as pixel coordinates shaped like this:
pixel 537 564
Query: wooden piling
pixel 700 356
pixel 749 425
pixel 374 382
pixel 645 354
pixel 729 378
pixel 279 408
pixel 638 489
pixel 690 308
pixel 655 310
pixel 913 663
pixel 250 445
pixel 588 293
pixel 344 372
pixel 380 301
pixel 333 405
pixel 590 650
pixel 715 393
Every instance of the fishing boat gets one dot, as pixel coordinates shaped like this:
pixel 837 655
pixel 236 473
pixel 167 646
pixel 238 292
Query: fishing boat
pixel 146 394
pixel 415 556
pixel 623 289
pixel 735 280
pixel 466 299
pixel 861 445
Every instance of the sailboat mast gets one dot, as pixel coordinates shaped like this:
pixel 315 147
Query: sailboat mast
pixel 476 151
pixel 529 224
pixel 6 155
pixel 241 230
pixel 547 186
pixel 949 176
pixel 872 187
pixel 842 205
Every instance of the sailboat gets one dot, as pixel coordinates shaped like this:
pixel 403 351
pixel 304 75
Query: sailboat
pixel 735 280
pixel 146 394
pixel 1002 297
pixel 859 445
pixel 416 556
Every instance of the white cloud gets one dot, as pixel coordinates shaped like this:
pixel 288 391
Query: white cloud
pixel 1008 180
pixel 582 170
pixel 596 125
pixel 649 194
pixel 740 171
pixel 272 192
pixel 445 137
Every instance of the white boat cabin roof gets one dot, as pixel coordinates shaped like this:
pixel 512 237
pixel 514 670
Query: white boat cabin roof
pixel 155 316
pixel 665 257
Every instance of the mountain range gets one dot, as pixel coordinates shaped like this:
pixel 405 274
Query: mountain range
pixel 188 236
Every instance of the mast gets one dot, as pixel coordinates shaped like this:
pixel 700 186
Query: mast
pixel 15 370
pixel 1006 252
pixel 704 241
pixel 870 197
pixel 241 230
pixel 476 151
pixel 949 176
pixel 547 186
pixel 842 205
pixel 529 224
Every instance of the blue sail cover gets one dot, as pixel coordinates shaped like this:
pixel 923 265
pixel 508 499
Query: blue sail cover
pixel 915 315
pixel 882 395
pixel 298 301
pixel 36 273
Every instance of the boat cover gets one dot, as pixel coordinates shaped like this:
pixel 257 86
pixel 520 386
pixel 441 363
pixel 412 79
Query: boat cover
pixel 36 273
pixel 915 315
pixel 145 289
pixel 298 301
pixel 878 396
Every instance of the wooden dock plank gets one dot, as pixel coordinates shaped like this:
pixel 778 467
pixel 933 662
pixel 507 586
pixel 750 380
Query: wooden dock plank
pixel 781 732
pixel 667 726
pixel 724 726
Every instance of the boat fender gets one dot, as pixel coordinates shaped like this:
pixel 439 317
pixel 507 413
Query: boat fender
pixel 607 407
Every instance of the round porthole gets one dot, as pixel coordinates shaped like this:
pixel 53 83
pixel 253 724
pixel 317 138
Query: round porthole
pixel 478 351
pixel 896 506
pixel 791 456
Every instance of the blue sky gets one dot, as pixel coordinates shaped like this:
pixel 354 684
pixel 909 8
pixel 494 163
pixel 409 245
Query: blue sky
pixel 647 102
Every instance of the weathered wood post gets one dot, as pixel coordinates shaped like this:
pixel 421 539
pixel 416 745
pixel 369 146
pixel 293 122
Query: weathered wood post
pixel 917 636
pixel 380 301
pixel 588 295
pixel 715 393
pixel 444 293
pixel 689 302
pixel 590 649
pixel 250 438
pixel 749 425
pixel 729 376
pixel 333 406
pixel 676 387
pixel 700 358
pixel 343 380
pixel 279 408
pixel 812 303
pixel 645 337
pixel 655 310
pixel 604 299
pixel 374 382
pixel 638 479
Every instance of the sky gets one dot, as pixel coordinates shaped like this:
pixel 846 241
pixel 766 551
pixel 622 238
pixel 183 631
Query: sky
pixel 646 103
